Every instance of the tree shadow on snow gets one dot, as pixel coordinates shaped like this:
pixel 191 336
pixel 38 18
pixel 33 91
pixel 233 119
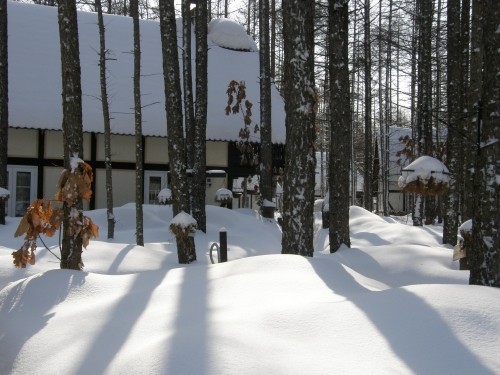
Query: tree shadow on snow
pixel 409 325
pixel 34 310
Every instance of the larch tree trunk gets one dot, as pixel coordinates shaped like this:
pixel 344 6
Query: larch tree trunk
pixel 368 160
pixel 474 98
pixel 187 82
pixel 4 105
pixel 72 125
pixel 139 147
pixel 454 77
pixel 266 145
pixel 200 133
pixel 340 125
pixel 485 258
pixel 384 144
pixel 175 131
pixel 107 121
pixel 300 102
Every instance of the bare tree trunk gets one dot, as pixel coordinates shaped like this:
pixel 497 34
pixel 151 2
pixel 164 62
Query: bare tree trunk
pixel 199 167
pixel 454 76
pixel 107 122
pixel 266 145
pixel 380 155
pixel 300 102
pixel 388 117
pixel 485 262
pixel 476 71
pixel 368 176
pixel 340 126
pixel 139 162
pixel 71 251
pixel 4 104
pixel 173 106
pixel 188 107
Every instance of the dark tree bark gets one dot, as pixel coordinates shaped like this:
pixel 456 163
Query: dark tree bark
pixel 368 161
pixel 300 102
pixel 340 126
pixel 187 82
pixel 71 251
pixel 139 158
pixel 199 166
pixel 266 146
pixel 173 104
pixel 424 98
pixel 454 77
pixel 475 85
pixel 107 121
pixel 485 258
pixel 4 104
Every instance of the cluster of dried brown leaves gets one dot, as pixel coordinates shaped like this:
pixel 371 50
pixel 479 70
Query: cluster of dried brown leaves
pixel 42 218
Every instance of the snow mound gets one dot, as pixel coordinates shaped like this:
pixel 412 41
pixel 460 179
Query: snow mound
pixel 230 34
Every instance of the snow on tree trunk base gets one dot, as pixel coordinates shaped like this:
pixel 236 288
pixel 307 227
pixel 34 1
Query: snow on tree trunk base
pixel 183 226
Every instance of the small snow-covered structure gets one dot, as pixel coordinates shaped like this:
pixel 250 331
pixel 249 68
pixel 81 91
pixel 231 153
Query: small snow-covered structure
pixel 229 34
pixel 223 196
pixel 165 196
pixel 426 176
pixel 4 193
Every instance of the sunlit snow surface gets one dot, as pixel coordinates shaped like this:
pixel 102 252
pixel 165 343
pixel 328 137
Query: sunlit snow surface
pixel 393 303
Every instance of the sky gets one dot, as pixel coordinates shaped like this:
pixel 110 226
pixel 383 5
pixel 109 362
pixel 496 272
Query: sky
pixel 395 302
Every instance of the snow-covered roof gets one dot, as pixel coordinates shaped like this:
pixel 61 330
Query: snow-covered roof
pixel 35 77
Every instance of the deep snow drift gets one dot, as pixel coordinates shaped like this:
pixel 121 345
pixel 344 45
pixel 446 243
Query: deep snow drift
pixel 393 303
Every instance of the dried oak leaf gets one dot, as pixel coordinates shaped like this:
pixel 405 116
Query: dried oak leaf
pixel 88 231
pixel 23 226
pixel 25 255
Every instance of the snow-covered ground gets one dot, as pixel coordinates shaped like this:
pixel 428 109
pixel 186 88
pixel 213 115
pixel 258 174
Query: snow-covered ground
pixel 394 303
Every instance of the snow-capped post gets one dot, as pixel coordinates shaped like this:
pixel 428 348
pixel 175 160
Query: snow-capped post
pixel 223 245
pixel 325 211
pixel 268 208
pixel 184 226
